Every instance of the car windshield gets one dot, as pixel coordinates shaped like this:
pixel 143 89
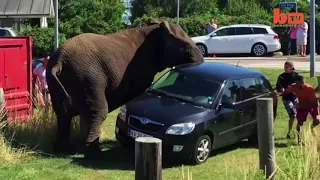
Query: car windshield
pixel 187 88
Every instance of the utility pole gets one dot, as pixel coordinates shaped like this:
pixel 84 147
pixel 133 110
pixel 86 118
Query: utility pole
pixel 312 39
pixel 178 11
pixel 56 24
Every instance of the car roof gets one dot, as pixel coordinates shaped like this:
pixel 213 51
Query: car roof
pixel 249 25
pixel 217 71
pixel 5 28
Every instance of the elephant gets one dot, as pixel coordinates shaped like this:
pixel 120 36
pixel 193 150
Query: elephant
pixel 91 75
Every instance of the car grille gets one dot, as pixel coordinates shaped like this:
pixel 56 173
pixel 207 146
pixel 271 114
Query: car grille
pixel 148 125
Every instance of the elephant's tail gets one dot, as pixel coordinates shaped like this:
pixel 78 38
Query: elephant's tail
pixel 53 69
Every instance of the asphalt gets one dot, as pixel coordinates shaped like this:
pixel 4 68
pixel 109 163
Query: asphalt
pixel 301 63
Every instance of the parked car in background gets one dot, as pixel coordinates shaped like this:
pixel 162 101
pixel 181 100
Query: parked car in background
pixel 196 108
pixel 237 39
pixel 7 32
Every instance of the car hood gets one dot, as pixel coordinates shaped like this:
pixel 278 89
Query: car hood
pixel 164 109
pixel 200 38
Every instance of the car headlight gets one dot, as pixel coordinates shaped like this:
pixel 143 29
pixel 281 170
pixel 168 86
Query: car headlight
pixel 180 129
pixel 123 113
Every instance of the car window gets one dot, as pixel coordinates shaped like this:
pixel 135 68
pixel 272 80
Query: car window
pixel 249 88
pixel 252 87
pixel 244 30
pixel 231 93
pixel 4 33
pixel 226 32
pixel 263 86
pixel 260 31
pixel 187 87
pixel 167 80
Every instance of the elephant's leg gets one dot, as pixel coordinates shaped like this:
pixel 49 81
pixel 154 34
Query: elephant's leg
pixel 63 127
pixel 96 114
pixel 83 128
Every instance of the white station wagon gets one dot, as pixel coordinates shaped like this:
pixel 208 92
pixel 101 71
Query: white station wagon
pixel 237 39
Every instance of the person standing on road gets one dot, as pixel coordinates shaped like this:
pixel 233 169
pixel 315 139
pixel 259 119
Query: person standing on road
pixel 284 81
pixel 293 40
pixel 211 26
pixel 307 103
pixel 302 36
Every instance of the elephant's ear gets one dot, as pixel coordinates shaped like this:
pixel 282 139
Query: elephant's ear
pixel 165 26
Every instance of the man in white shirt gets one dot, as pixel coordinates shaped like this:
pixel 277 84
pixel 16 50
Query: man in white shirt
pixel 302 35
pixel 211 26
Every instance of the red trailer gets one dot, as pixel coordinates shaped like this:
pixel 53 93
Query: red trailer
pixel 16 76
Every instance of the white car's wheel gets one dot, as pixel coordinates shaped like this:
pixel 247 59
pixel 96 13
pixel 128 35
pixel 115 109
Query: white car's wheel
pixel 203 49
pixel 259 50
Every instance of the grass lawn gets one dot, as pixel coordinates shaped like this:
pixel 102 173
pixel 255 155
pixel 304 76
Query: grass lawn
pixel 234 162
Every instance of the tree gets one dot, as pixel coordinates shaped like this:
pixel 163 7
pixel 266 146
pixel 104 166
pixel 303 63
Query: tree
pixel 95 16
pixel 168 8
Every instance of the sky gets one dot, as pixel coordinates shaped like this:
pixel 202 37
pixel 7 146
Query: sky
pixel 127 14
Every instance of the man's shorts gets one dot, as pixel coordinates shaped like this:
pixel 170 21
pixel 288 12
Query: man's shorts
pixel 301 41
pixel 291 110
pixel 302 114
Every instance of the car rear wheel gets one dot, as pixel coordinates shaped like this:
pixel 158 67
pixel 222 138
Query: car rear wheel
pixel 259 50
pixel 201 150
pixel 203 49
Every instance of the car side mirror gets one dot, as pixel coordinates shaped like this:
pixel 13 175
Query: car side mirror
pixel 213 34
pixel 226 104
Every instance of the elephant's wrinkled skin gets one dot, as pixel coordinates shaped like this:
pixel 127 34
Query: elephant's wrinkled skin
pixel 91 75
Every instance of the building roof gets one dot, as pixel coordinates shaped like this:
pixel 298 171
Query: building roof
pixel 217 71
pixel 26 8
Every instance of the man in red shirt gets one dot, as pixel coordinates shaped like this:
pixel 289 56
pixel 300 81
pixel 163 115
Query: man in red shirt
pixel 307 103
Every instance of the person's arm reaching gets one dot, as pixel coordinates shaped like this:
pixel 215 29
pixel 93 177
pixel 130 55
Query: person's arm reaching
pixel 288 90
pixel 279 86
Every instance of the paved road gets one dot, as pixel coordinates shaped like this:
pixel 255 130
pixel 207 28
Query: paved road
pixel 300 64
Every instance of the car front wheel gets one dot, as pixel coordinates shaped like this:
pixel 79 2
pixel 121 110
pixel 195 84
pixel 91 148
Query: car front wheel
pixel 259 50
pixel 203 49
pixel 201 150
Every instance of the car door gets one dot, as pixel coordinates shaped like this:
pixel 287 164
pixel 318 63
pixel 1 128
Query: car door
pixel 249 95
pixel 228 118
pixel 221 41
pixel 244 39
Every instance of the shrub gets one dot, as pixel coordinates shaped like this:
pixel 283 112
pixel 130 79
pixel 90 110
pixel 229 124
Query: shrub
pixel 43 39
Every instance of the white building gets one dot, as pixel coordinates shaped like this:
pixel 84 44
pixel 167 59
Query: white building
pixel 12 12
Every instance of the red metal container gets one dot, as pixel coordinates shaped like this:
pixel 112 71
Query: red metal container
pixel 16 76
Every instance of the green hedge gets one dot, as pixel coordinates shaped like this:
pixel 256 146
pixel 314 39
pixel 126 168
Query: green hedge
pixel 195 25
pixel 43 39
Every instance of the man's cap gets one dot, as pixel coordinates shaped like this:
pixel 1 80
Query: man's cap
pixel 289 63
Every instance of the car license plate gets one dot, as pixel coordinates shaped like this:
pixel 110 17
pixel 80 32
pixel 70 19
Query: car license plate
pixel 135 134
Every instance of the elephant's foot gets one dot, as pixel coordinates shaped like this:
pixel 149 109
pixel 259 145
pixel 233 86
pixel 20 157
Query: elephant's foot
pixel 93 151
pixel 63 148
